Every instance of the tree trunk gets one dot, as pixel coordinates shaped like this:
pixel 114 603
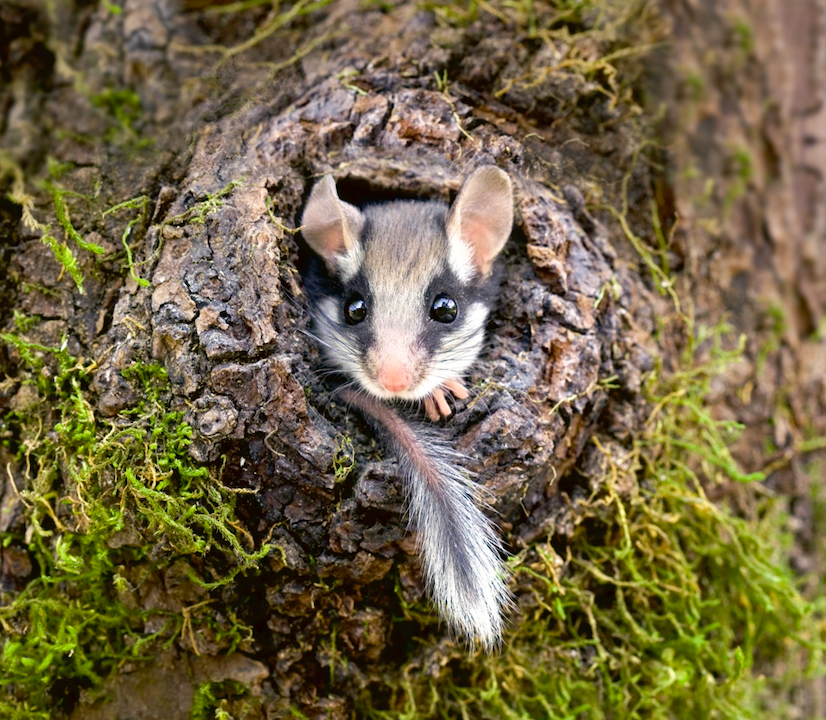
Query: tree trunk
pixel 636 228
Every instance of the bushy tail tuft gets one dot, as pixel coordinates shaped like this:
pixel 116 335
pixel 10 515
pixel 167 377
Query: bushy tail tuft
pixel 461 554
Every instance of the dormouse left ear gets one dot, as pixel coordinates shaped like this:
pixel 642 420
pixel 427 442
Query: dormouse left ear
pixel 330 226
pixel 482 216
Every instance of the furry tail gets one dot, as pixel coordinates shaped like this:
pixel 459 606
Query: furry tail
pixel 461 554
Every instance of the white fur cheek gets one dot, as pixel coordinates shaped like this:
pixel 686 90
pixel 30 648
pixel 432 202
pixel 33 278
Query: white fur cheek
pixel 341 350
pixel 328 308
pixel 455 361
pixel 477 316
pixel 337 344
pixel 458 351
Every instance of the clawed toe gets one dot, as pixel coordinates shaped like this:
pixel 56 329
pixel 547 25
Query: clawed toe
pixel 436 406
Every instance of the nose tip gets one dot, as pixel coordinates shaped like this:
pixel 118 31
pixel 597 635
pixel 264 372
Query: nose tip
pixel 394 377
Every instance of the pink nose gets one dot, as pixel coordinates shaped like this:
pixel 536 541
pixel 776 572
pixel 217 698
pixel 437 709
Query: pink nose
pixel 394 377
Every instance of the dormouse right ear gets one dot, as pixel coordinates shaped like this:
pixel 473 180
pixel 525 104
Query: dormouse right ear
pixel 481 217
pixel 330 226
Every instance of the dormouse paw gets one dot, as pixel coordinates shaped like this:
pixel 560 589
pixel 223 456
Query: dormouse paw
pixel 435 404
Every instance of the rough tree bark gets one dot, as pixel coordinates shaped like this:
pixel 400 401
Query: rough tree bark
pixel 394 103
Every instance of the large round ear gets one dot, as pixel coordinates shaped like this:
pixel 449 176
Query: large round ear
pixel 330 226
pixel 482 216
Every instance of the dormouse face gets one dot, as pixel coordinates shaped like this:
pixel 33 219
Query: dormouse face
pixel 410 283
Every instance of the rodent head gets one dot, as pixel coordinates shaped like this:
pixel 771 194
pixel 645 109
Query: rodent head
pixel 402 299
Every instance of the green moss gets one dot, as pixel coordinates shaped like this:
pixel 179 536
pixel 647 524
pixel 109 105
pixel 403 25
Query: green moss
pixel 65 257
pixel 210 700
pixel 57 169
pixel 695 85
pixel 776 324
pixel 124 106
pixel 140 203
pixel 344 458
pixel 741 170
pixel 236 703
pixel 744 34
pixel 110 7
pixel 61 250
pixel 47 291
pixel 200 211
pixel 384 6
pixel 23 322
pixel 86 479
pixel 62 213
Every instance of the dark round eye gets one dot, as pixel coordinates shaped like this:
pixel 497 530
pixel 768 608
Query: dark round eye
pixel 444 309
pixel 355 309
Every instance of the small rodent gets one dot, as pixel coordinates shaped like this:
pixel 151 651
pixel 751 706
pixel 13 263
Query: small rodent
pixel 400 294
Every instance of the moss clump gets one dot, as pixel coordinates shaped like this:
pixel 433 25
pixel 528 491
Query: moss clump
pixel 124 106
pixel 223 701
pixel 140 203
pixel 200 211
pixel 62 252
pixel 85 479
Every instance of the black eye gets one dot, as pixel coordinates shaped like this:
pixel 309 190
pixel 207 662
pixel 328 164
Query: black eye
pixel 444 309
pixel 355 309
